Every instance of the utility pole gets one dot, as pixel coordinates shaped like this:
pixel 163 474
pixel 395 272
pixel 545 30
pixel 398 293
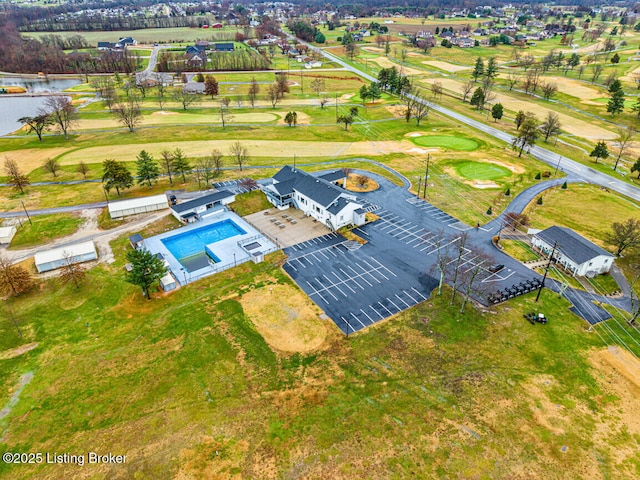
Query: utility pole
pixel 546 270
pixel 26 213
pixel 426 176
pixel 419 186
pixel 558 165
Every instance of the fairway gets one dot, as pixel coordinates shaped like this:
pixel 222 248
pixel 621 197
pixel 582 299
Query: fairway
pixel 452 143
pixel 481 171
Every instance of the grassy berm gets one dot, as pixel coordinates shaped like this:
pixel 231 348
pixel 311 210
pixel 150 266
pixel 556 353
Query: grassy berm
pixel 186 386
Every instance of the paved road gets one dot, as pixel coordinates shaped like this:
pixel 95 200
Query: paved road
pixel 566 164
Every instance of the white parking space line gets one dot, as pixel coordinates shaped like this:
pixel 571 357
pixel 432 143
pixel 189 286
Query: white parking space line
pixel 393 303
pixel 353 279
pixel 346 284
pixel 423 297
pixel 377 312
pixel 363 325
pixel 358 275
pixel 335 285
pixel 398 297
pixel 382 266
pixel 385 308
pixel 407 294
pixel 367 315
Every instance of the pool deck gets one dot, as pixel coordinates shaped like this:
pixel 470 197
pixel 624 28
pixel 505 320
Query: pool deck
pixel 229 251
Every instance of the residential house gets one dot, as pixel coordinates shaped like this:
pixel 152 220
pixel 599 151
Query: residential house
pixel 317 196
pixel 126 42
pixel 577 254
pixel 153 79
pixel 102 46
pixel 224 47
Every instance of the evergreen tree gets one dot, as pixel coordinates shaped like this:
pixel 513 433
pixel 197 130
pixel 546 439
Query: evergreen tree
pixel 616 101
pixel 374 91
pixel 147 168
pixel 601 151
pixel 477 98
pixel 116 175
pixel 146 269
pixel 478 70
pixel 492 68
pixel 497 111
pixel 520 116
pixel 636 167
pixel 364 93
pixel 527 134
pixel 181 164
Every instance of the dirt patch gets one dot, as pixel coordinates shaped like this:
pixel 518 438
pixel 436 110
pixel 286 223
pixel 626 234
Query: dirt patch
pixel 347 96
pixel 414 134
pixel 575 88
pixel 164 112
pixel 353 184
pixel 622 362
pixel 422 151
pixel 449 67
pixel 384 62
pixel 285 317
pixel 16 352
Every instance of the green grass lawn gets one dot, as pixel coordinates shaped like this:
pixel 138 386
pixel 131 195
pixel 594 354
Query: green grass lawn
pixel 45 228
pixel 250 202
pixel 481 171
pixel 430 391
pixel 452 143
pixel 581 208
pixel 518 249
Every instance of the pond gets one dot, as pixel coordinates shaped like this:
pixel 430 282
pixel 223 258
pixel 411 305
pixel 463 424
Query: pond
pixel 37 85
pixel 13 108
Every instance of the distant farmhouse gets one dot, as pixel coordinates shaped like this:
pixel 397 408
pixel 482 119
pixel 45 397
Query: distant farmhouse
pixel 577 254
pixel 318 197
pixel 119 45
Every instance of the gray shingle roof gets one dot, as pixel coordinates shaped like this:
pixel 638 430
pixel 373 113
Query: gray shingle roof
pixel 337 206
pixel 572 245
pixel 332 176
pixel 196 202
pixel 317 189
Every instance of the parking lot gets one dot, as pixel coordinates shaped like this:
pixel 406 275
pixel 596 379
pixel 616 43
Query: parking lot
pixel 351 285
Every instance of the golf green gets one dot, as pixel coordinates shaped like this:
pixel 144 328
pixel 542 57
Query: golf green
pixel 453 143
pixel 480 170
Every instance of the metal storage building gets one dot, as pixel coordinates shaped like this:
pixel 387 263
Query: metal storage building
pixel 56 258
pixel 6 234
pixel 134 206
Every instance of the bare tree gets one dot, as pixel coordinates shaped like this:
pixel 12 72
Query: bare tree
pixel 161 97
pixel 217 159
pixel 62 112
pixel 83 169
pixel 625 135
pixel 128 113
pixel 470 274
pixel 14 279
pixel 624 235
pixel 323 101
pixel 436 89
pixel 460 246
pixel 52 166
pixel 167 163
pixel 443 260
pixel 513 79
pixel 40 123
pixel 551 125
pixel 204 169
pixel 318 86
pixel 240 154
pixel 185 98
pixel 466 89
pixel 71 271
pixel 548 90
pixel 239 99
pixel 254 90
pixel 273 93
pixel 225 114
pixel 595 72
pixel 17 179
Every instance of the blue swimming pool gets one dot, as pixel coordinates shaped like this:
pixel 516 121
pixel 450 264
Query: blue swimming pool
pixel 194 241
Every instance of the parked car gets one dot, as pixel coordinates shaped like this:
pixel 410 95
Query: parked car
pixel 173 199
pixel 496 268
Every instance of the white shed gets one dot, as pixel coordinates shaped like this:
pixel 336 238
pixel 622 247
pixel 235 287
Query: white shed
pixel 6 234
pixel 56 258
pixel 134 206
pixel 168 283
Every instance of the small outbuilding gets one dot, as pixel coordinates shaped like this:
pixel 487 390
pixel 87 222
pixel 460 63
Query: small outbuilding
pixel 134 206
pixel 168 283
pixel 136 240
pixel 7 234
pixel 577 254
pixel 56 258
pixel 194 210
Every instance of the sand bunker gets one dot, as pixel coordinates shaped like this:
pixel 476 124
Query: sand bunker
pixel 482 184
pixel 449 67
pixel 164 112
